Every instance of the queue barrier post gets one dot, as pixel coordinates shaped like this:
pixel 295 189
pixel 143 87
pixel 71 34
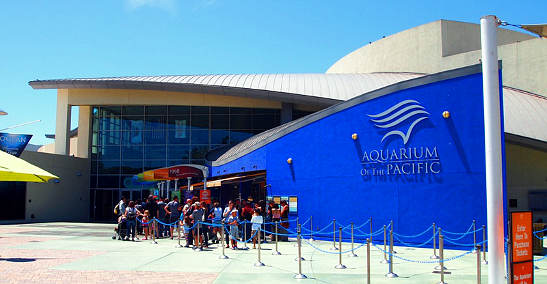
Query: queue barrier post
pixel 368 260
pixel 475 236
pixel 385 247
pixel 276 252
pixel 297 224
pixel 352 254
pixel 478 247
pixel 300 258
pixel 178 240
pixel 370 226
pixel 441 259
pixel 334 235
pixel 154 226
pixel 484 261
pixel 391 230
pixel 434 256
pixel 311 228
pixel 244 238
pixel 259 260
pixel 391 274
pixel 223 255
pixel 340 265
pixel 198 246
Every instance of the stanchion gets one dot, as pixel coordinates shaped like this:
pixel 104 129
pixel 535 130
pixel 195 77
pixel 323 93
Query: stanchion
pixel 352 254
pixel 244 238
pixel 385 247
pixel 368 260
pixel 434 256
pixel 300 258
pixel 340 265
pixel 222 256
pixel 259 261
pixel 441 259
pixel 441 266
pixel 297 224
pixel 391 230
pixel 311 228
pixel 276 252
pixel 484 261
pixel 178 230
pixel 391 274
pixel 370 226
pixel 474 236
pixel 478 247
pixel 334 235
pixel 154 226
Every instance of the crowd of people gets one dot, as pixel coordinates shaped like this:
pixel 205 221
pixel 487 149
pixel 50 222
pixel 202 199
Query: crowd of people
pixel 199 223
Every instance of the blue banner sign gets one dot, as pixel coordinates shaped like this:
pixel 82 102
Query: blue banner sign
pixel 14 144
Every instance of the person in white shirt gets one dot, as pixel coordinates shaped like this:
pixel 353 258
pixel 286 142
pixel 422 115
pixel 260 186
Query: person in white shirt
pixel 257 220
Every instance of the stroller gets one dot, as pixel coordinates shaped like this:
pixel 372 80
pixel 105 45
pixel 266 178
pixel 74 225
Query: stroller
pixel 120 231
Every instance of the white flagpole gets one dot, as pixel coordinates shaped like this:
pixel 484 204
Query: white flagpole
pixel 493 147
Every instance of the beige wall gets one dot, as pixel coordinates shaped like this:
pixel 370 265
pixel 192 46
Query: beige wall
pixel 445 45
pixel 526 171
pixel 67 200
pixel 50 148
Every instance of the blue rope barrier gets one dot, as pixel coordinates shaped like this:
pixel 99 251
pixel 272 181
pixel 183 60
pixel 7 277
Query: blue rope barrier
pixel 235 239
pixel 413 236
pixel 541 231
pixel 331 252
pixel 417 245
pixel 320 231
pixel 458 234
pixel 465 245
pixel 424 261
pixel 540 259
pixel 541 238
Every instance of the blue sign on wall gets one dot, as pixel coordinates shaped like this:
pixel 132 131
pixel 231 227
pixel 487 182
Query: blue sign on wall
pixel 417 157
pixel 14 144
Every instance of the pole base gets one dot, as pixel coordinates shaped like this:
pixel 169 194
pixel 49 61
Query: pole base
pixel 244 248
pixel 535 267
pixel 302 259
pixel 259 264
pixel 223 256
pixel 485 262
pixel 352 255
pixel 300 276
pixel 179 246
pixel 391 275
pixel 340 266
pixel 438 268
pixel 154 242
pixel 441 282
pixel 434 257
pixel 333 248
pixel 276 253
pixel 384 261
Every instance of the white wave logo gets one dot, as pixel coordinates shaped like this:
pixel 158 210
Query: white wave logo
pixel 398 114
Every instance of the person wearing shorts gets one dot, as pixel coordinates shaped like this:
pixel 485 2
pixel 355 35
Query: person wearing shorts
pixel 234 232
pixel 172 208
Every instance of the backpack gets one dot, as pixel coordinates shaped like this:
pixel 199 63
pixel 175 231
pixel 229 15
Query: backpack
pixel 117 209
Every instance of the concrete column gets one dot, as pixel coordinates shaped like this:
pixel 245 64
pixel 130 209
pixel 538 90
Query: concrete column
pixel 286 112
pixel 84 126
pixel 62 126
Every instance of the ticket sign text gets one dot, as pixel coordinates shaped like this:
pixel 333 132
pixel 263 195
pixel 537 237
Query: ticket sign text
pixel 523 273
pixel 521 233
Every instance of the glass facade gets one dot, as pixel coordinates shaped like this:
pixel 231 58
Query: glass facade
pixel 127 140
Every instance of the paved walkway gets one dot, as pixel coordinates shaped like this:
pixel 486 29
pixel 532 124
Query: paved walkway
pixel 81 252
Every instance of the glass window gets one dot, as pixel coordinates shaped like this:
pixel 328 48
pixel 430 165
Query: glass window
pixel 108 167
pixel 108 181
pixel 178 137
pixel 220 136
pixel 134 137
pixel 92 181
pixel 155 152
pixel 133 110
pixel 110 122
pixel 109 138
pixel 116 110
pixel 131 167
pixel 241 122
pixel 198 162
pixel 200 110
pixel 198 151
pixel 200 137
pixel 181 152
pixel 178 162
pixel 241 110
pixel 155 137
pixel 220 110
pixel 109 152
pixel 238 136
pixel 154 164
pixel 178 110
pixel 133 123
pixel 264 122
pixel 155 122
pixel 156 110
pixel 220 122
pixel 132 152
pixel 200 121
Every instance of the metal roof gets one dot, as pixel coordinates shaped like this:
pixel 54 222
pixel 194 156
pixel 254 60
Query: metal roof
pixel 325 89
pixel 525 115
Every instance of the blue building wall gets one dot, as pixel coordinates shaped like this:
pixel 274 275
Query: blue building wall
pixel 334 176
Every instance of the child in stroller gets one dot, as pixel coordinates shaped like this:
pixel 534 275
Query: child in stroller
pixel 121 230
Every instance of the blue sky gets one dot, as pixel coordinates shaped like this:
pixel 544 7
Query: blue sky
pixel 63 39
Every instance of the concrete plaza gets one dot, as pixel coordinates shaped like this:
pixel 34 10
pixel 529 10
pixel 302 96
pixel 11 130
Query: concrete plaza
pixel 83 252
